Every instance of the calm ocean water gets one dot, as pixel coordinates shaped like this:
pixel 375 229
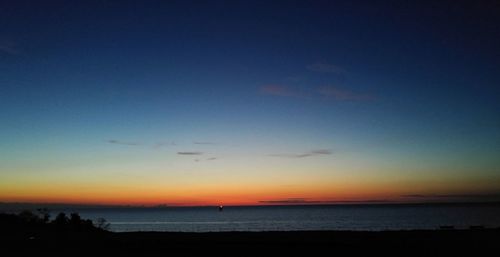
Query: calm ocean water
pixel 273 218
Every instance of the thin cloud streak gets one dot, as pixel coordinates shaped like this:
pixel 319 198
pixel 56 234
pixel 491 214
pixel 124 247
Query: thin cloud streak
pixel 163 144
pixel 204 143
pixel 118 142
pixel 327 92
pixel 308 201
pixel 189 153
pixel 455 196
pixel 284 155
pixel 302 155
pixel 207 159
pixel 321 151
pixel 290 201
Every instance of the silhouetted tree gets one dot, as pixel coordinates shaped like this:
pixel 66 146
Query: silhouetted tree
pixel 29 217
pixel 75 218
pixel 31 225
pixel 88 224
pixel 75 221
pixel 44 213
pixel 102 223
pixel 61 220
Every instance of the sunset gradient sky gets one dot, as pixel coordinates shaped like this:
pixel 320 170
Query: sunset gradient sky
pixel 249 102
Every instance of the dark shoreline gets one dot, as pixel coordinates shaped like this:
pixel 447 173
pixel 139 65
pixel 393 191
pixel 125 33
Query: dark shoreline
pixel 35 234
pixel 403 243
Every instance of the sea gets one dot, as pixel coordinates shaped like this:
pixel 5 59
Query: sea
pixel 368 217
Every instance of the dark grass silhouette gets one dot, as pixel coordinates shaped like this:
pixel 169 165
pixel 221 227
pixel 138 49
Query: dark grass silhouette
pixel 29 234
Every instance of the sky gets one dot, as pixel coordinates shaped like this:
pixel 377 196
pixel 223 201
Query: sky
pixel 249 102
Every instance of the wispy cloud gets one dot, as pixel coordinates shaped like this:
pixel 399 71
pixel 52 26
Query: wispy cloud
pixel 286 155
pixel 280 90
pixel 290 201
pixel 189 153
pixel 325 92
pixel 302 155
pixel 452 196
pixel 201 160
pixel 326 68
pixel 163 144
pixel 321 151
pixel 118 142
pixel 344 94
pixel 309 201
pixel 204 143
pixel 328 92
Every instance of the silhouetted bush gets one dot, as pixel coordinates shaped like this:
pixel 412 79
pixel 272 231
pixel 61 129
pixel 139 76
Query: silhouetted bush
pixel 27 224
pixel 102 223
pixel 75 220
pixel 30 217
pixel 61 220
pixel 44 213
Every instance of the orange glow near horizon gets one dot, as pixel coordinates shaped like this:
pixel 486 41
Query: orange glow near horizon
pixel 234 194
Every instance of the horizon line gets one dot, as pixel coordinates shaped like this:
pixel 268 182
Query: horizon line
pixel 339 203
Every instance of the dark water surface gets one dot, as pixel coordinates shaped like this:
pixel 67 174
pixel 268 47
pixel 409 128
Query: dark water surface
pixel 286 218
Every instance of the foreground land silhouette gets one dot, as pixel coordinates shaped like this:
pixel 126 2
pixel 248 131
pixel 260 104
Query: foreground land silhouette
pixel 28 234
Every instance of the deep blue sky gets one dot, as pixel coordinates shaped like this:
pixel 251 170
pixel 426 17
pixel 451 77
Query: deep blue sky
pixel 412 86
